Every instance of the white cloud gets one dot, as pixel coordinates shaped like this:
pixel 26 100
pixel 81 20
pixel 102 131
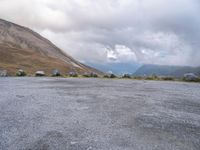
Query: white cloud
pixel 121 54
pixel 148 31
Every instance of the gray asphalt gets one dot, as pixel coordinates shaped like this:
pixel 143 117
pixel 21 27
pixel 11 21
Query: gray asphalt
pixel 98 114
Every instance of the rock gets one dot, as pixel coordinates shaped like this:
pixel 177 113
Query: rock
pixel 126 76
pixel 56 73
pixel 3 73
pixel 73 74
pixel 21 73
pixel 191 77
pixel 93 74
pixel 86 74
pixel 106 76
pixel 113 75
pixel 40 73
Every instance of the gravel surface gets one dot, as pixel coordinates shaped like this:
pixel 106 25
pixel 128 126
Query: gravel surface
pixel 98 114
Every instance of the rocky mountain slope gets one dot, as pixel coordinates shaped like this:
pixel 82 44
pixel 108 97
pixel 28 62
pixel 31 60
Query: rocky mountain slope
pixel 22 48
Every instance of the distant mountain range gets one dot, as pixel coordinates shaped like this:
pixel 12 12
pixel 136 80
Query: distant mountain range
pixel 116 68
pixel 22 48
pixel 164 70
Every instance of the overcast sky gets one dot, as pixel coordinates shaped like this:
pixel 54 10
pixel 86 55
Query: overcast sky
pixel 144 31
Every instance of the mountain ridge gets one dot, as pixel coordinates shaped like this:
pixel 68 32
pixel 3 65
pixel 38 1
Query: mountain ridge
pixel 166 70
pixel 19 43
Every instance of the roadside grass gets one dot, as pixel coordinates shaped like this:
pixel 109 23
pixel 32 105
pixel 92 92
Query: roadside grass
pixel 112 76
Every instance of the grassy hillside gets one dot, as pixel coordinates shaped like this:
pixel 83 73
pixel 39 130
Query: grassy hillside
pixel 23 48
pixel 13 59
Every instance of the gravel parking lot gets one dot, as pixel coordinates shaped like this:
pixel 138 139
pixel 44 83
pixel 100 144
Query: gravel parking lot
pixel 98 114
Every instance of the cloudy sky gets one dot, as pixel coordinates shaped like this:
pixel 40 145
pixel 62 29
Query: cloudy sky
pixel 115 31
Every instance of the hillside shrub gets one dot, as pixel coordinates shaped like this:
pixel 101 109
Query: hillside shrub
pixel 168 78
pixel 106 76
pixel 126 76
pixel 73 74
pixel 90 75
pixel 21 73
pixel 113 76
pixel 56 73
pixel 153 77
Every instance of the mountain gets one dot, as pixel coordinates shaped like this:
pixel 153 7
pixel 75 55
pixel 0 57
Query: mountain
pixel 22 48
pixel 164 70
pixel 116 68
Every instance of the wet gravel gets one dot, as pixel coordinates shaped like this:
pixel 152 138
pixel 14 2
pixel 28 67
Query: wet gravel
pixel 98 114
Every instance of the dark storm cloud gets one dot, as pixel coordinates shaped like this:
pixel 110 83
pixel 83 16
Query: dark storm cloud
pixel 147 31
